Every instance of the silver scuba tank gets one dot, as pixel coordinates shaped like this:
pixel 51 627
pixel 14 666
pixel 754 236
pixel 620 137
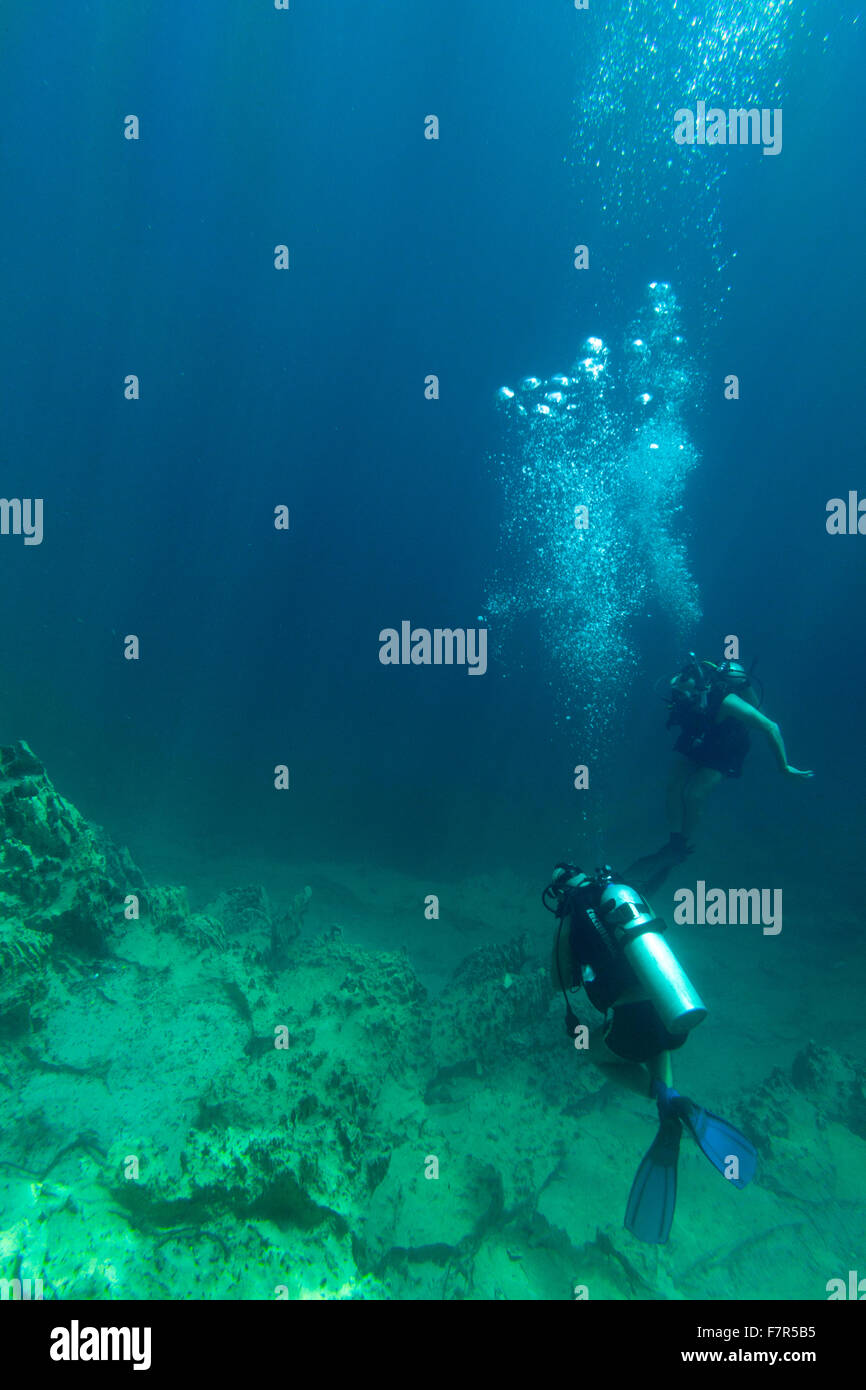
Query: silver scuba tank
pixel 629 918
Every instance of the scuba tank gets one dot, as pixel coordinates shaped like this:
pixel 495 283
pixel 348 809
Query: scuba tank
pixel 632 922
pixel 628 926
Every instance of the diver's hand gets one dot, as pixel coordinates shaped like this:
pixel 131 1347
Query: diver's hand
pixel 795 772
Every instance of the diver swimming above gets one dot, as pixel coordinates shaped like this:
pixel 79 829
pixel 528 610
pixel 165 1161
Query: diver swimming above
pixel 715 707
pixel 614 949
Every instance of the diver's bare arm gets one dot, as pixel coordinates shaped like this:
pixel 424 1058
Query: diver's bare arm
pixel 740 709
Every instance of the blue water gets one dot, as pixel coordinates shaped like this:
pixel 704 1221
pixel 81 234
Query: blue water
pixel 305 388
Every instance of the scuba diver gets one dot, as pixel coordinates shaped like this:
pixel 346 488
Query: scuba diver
pixel 608 940
pixel 715 708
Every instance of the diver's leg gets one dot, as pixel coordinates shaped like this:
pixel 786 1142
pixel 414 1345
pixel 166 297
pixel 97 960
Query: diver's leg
pixel 634 1076
pixel 680 773
pixel 653 868
pixel 660 1069
pixel 695 791
pixel 649 873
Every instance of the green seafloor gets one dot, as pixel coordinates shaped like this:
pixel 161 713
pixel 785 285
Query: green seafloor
pixel 311 1121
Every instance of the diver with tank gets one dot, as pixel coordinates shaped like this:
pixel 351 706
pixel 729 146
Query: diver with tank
pixel 609 942
pixel 716 708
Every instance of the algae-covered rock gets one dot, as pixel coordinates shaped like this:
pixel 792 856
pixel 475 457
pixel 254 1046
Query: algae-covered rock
pixel 230 1172
pixel 58 873
pixel 821 1087
pixel 22 953
pixel 835 1085
pixel 164 908
pixel 491 997
pixel 242 910
pixel 287 928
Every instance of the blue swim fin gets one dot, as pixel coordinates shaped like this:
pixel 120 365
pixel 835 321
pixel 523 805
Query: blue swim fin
pixel 720 1141
pixel 653 1197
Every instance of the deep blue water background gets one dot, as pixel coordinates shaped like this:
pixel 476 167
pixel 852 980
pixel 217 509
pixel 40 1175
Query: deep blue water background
pixel 306 388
